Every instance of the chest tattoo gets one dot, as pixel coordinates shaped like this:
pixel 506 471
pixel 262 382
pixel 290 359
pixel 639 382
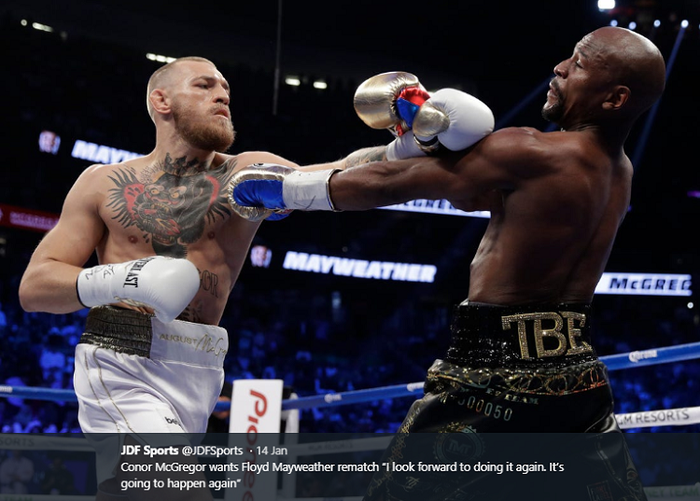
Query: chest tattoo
pixel 172 203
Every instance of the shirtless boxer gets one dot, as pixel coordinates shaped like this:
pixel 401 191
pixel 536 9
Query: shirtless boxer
pixel 169 247
pixel 521 343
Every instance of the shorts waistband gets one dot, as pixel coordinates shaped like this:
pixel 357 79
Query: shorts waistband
pixel 536 381
pixel 134 333
pixel 533 335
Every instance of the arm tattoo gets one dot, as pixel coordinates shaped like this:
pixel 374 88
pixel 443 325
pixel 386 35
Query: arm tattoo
pixel 209 282
pixel 171 202
pixel 365 155
pixel 191 314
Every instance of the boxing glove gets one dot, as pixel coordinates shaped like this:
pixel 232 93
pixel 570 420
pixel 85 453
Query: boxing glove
pixel 252 213
pixel 270 187
pixel 397 101
pixel 166 285
pixel 453 119
pixel 390 101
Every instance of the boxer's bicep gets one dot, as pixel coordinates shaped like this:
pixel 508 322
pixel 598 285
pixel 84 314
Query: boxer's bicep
pixel 48 283
pixel 527 153
pixel 79 228
pixel 354 159
pixel 258 157
pixel 503 160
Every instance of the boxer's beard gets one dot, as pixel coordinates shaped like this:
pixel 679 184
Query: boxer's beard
pixel 555 112
pixel 210 133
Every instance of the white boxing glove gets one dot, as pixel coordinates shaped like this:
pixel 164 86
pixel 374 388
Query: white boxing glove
pixel 404 146
pixel 166 285
pixel 450 118
pixel 455 118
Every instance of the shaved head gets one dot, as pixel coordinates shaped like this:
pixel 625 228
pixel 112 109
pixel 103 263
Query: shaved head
pixel 163 77
pixel 612 77
pixel 190 97
pixel 633 61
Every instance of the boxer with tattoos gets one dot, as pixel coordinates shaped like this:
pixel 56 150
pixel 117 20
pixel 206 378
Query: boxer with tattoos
pixel 170 250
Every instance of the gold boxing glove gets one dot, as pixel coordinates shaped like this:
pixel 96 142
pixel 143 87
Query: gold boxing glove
pixel 389 101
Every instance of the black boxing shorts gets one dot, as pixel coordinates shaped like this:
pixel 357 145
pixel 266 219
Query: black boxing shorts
pixel 520 386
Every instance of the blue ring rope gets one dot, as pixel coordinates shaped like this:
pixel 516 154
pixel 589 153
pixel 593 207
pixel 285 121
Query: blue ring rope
pixel 629 360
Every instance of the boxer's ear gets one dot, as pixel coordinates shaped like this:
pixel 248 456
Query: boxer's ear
pixel 617 98
pixel 160 102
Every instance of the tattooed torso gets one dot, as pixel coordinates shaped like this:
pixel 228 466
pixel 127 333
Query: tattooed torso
pixel 178 209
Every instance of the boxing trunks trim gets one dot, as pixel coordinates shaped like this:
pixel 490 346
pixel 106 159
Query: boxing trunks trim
pixel 540 382
pixel 524 336
pixel 134 333
pixel 528 370
pixel 139 376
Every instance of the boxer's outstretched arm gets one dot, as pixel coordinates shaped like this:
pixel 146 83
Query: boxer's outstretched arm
pixel 499 161
pixel 48 283
pixel 386 183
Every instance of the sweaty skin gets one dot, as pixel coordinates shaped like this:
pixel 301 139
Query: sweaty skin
pixel 556 202
pixel 171 202
pixel 138 208
pixel 556 199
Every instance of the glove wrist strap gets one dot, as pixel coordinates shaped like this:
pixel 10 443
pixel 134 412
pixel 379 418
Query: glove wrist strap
pixel 405 146
pixel 93 286
pixel 308 190
pixel 428 146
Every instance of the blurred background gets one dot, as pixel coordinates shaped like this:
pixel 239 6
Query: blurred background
pixel 73 93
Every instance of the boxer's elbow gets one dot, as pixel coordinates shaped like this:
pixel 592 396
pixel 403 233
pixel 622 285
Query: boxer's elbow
pixel 28 297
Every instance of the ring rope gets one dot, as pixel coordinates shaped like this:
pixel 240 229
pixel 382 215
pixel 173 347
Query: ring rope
pixel 690 351
pixel 668 354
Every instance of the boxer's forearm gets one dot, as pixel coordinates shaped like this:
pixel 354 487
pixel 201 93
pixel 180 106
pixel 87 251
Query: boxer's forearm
pixel 376 185
pixel 49 286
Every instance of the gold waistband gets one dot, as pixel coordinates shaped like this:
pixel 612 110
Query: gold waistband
pixel 540 381
pixel 119 329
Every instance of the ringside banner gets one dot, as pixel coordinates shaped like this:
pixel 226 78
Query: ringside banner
pixel 28 219
pixel 645 284
pixel 619 283
pixel 256 406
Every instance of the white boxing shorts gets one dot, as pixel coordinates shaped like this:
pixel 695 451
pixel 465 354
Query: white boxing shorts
pixel 135 375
